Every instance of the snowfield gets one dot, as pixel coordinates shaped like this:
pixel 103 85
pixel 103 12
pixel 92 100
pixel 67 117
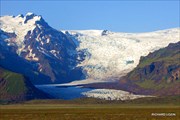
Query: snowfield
pixel 109 94
pixel 110 55
pixel 19 25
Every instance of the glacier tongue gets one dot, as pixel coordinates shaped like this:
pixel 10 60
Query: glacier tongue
pixel 113 55
pixel 110 94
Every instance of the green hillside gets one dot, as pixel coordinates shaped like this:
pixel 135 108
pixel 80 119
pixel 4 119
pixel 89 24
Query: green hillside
pixel 15 87
pixel 159 72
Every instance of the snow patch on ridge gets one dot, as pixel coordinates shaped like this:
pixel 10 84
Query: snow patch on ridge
pixel 18 26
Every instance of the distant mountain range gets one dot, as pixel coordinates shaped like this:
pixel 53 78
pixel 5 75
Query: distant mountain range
pixel 34 50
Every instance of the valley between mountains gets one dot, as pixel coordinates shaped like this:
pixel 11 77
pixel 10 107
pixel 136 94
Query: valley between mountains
pixel 40 62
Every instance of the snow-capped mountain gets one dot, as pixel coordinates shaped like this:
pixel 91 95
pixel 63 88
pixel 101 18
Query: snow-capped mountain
pixel 64 56
pixel 110 55
pixel 48 50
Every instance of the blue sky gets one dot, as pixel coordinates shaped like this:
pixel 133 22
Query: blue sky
pixel 122 16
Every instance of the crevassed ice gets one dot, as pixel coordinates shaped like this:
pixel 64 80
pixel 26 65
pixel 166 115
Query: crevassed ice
pixel 110 94
pixel 113 55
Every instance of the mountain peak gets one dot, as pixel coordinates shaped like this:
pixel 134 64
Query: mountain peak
pixel 29 13
pixel 21 24
pixel 20 16
pixel 30 16
pixel 105 32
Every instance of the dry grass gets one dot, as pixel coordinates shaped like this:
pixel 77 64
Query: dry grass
pixel 86 112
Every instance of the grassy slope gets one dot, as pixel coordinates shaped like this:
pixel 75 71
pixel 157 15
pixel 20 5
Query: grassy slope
pixel 15 83
pixel 167 55
pixel 15 87
pixel 166 62
pixel 12 85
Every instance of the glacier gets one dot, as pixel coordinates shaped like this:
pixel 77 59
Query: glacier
pixel 111 55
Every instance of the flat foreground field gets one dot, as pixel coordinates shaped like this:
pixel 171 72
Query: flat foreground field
pixel 88 112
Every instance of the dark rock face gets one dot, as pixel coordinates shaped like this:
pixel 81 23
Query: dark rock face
pixel 28 17
pixel 13 62
pixel 156 71
pixel 51 49
pixel 106 32
pixel 159 72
